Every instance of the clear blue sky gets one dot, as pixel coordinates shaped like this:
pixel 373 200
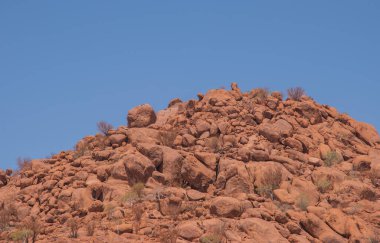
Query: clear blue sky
pixel 64 65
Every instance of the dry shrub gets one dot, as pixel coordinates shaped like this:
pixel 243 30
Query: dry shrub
pixel 167 138
pixel 168 235
pixel 90 228
pixel 374 176
pixel 296 93
pixel 5 218
pixel 138 188
pixel 73 225
pixel 33 225
pixel 270 181
pixel 24 163
pixel 368 194
pixel 109 209
pixel 324 184
pixel 104 127
pixel 303 201
pixel 260 95
pixel 7 213
pixel 138 211
pixel 174 210
pixel 332 158
pixel 218 235
pixel 21 235
pixel 135 194
pixel 81 148
pixel 101 141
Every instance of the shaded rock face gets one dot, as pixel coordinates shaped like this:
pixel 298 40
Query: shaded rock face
pixel 231 166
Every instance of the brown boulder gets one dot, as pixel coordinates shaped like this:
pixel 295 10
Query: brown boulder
pixel 261 231
pixel 196 174
pixel 117 139
pixel 141 116
pixel 189 230
pixel 366 132
pixel 318 229
pixel 143 135
pixel 227 207
pixel 138 167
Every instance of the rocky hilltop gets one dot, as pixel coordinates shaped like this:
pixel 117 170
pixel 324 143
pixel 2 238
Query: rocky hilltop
pixel 227 167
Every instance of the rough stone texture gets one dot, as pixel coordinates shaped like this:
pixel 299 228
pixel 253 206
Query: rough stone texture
pixel 141 116
pixel 204 167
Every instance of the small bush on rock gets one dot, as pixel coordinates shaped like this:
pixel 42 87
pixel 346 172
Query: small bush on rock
pixel 104 127
pixel 138 211
pixel 270 181
pixel 260 95
pixel 90 228
pixel 73 225
pixel 168 235
pixel 24 164
pixel 22 235
pixel 211 239
pixel 303 201
pixel 323 184
pixel 296 93
pixel 33 225
pixel 332 158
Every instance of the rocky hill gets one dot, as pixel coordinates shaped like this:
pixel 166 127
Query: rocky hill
pixel 227 167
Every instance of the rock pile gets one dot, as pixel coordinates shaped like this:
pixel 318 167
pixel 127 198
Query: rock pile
pixel 228 167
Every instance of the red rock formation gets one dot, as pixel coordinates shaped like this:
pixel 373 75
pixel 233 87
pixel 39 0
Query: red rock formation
pixel 228 167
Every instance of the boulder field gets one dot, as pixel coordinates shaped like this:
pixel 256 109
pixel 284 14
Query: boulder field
pixel 230 166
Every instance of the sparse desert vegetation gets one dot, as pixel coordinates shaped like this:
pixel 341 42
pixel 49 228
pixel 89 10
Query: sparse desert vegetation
pixel 232 166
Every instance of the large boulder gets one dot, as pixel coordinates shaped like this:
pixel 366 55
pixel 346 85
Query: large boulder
pixel 227 207
pixel 366 132
pixel 196 174
pixel 141 116
pixel 143 135
pixel 233 177
pixel 189 230
pixel 261 231
pixel 319 229
pixel 138 167
pixel 273 132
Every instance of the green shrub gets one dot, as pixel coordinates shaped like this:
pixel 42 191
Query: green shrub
pixel 211 239
pixel 323 184
pixel 21 235
pixel 303 201
pixel 332 158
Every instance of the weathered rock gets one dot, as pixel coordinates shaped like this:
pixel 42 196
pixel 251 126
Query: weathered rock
pixel 189 230
pixel 141 116
pixel 228 207
pixel 261 231
pixel 196 174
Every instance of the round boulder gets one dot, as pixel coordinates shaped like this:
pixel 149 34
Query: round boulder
pixel 141 116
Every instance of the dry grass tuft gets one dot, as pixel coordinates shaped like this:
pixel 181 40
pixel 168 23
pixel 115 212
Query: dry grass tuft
pixel 73 225
pixel 24 164
pixel 270 181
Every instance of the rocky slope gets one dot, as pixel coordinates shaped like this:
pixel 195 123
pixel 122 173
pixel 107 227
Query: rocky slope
pixel 228 167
